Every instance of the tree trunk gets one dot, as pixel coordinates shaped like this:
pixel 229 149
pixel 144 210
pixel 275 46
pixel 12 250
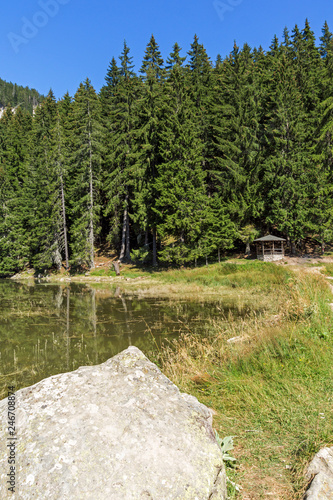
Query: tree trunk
pixel 128 253
pixel 91 207
pixel 62 193
pixel 154 248
pixel 288 245
pixel 123 236
pixel 293 247
pixel 247 248
pixel 94 322
pixel 67 327
pixel 116 268
pixel 64 219
pixel 219 254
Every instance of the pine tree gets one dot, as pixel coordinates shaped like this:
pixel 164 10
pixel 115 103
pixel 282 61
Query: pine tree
pixel 326 41
pixel 179 186
pixel 15 225
pixel 308 68
pixel 174 58
pixel 119 169
pixel 218 231
pixel 44 183
pixel 152 64
pixel 235 131
pixel 111 79
pixel 322 207
pixel 199 70
pixel 61 168
pixel 148 156
pixel 200 67
pixel 85 175
pixel 287 164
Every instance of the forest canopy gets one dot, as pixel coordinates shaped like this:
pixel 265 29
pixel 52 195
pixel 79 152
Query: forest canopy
pixel 175 164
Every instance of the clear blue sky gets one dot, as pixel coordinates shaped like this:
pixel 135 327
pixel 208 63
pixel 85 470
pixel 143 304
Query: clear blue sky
pixel 58 43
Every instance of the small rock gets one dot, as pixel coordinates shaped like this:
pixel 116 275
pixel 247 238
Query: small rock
pixel 240 338
pixel 321 470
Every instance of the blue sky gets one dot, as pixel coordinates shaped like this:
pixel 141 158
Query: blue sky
pixel 59 43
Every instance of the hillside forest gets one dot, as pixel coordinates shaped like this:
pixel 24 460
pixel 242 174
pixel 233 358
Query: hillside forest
pixel 13 95
pixel 177 164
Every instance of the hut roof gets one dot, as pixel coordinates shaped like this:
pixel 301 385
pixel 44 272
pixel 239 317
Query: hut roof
pixel 270 237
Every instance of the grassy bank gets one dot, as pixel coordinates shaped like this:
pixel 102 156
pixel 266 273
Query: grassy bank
pixel 272 386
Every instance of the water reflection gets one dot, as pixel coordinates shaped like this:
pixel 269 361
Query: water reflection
pixel 49 328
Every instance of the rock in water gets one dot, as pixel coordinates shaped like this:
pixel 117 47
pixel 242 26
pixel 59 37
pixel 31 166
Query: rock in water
pixel 117 431
pixel 321 470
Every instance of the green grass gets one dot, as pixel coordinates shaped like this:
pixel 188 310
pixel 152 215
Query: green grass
pixel 328 269
pixel 273 392
pixel 243 274
pixel 102 272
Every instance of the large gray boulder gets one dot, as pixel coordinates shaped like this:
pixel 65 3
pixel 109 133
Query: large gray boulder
pixel 321 470
pixel 120 430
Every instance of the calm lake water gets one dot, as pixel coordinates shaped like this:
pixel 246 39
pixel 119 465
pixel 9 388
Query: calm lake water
pixel 47 329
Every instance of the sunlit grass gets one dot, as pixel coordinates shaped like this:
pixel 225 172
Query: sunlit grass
pixel 327 269
pixel 272 390
pixel 102 272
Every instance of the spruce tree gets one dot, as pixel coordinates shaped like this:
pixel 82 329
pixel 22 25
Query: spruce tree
pixel 235 131
pixel 179 187
pixel 85 175
pixel 174 58
pixel 287 166
pixel 147 133
pixel 119 169
pixel 44 183
pixel 326 41
pixel 15 203
pixel 199 70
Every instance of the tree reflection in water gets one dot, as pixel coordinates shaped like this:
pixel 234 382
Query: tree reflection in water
pixel 52 328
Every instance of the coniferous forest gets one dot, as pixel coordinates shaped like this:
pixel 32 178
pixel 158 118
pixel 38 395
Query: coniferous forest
pixel 13 95
pixel 176 164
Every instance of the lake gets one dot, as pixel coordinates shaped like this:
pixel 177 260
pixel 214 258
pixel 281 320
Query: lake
pixel 48 328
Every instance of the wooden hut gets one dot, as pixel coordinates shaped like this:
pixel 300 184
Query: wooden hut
pixel 270 248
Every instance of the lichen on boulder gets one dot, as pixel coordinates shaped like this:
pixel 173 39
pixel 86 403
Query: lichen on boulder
pixel 118 431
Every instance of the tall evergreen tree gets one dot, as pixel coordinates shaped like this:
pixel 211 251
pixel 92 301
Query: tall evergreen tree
pixel 179 187
pixel 287 165
pixel 44 181
pixel 120 171
pixel 235 156
pixel 15 203
pixel 85 173
pixel 175 58
pixel 148 156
